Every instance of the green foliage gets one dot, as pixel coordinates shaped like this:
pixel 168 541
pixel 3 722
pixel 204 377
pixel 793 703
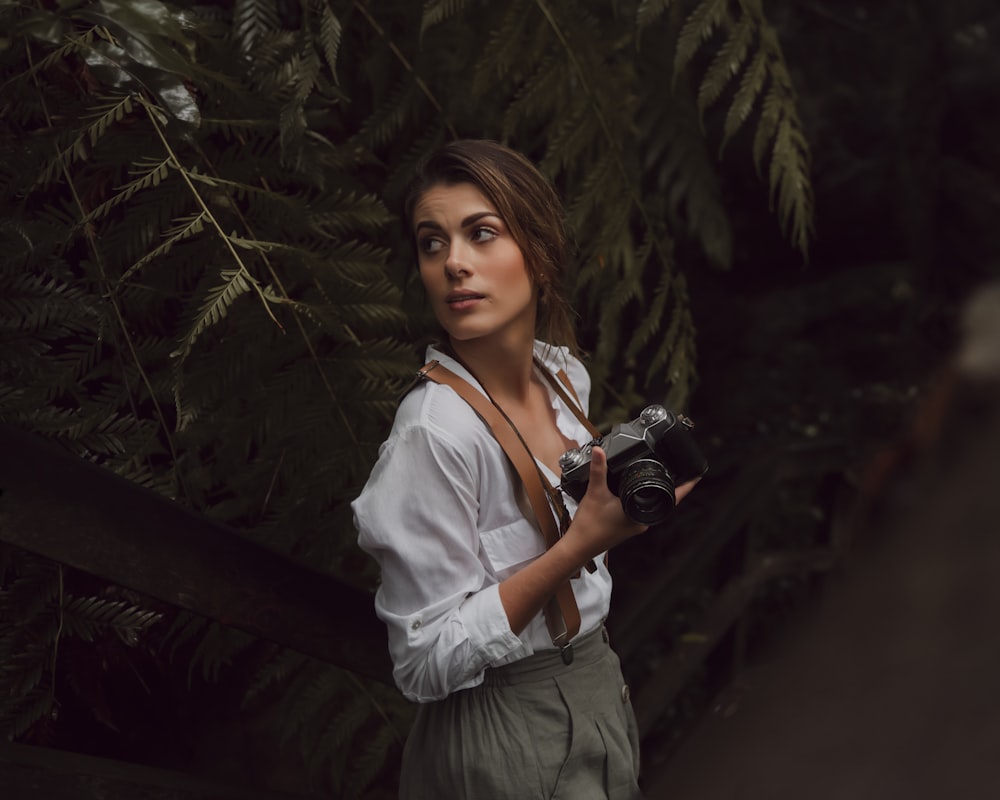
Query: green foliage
pixel 37 615
pixel 779 134
pixel 203 288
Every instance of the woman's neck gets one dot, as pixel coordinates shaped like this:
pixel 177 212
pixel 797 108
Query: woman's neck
pixel 504 369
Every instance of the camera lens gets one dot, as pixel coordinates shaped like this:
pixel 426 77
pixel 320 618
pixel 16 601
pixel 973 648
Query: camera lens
pixel 646 491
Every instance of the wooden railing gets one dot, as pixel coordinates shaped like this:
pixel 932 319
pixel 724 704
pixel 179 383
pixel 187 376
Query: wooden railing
pixel 79 514
pixel 68 510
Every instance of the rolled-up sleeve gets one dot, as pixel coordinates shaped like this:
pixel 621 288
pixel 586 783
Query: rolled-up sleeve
pixel 418 517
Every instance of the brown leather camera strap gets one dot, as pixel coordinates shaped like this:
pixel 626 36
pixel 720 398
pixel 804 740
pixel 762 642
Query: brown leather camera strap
pixel 562 616
pixel 561 385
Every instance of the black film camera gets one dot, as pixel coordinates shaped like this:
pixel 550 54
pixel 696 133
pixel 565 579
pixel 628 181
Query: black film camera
pixel 647 458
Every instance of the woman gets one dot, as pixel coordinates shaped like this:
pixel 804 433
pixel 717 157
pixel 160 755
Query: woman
pixel 465 571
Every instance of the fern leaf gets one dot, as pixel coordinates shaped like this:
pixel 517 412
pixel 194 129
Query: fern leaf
pixel 78 43
pixel 316 690
pixel 107 115
pixel 330 33
pixel 648 11
pixel 26 713
pixel 253 19
pixel 371 762
pixel 667 354
pixel 727 63
pixel 652 318
pixel 436 11
pixel 750 87
pixel 789 180
pixel 390 116
pixel 185 229
pixel 218 301
pixel 343 725
pixel 698 28
pixel 278 670
pixel 505 49
pixel 155 173
pixel 78 150
pixel 88 615
pixel 217 648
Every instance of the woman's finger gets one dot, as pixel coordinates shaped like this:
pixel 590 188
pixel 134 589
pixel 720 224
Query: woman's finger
pixel 598 468
pixel 684 489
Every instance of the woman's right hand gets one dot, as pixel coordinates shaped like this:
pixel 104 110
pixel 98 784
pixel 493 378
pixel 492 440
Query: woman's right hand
pixel 600 523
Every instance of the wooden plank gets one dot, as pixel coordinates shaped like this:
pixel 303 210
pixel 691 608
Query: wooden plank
pixel 40 772
pixel 64 508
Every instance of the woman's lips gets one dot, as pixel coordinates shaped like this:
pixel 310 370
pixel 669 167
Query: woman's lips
pixel 462 301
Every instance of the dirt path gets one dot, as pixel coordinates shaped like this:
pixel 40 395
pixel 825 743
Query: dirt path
pixel 891 689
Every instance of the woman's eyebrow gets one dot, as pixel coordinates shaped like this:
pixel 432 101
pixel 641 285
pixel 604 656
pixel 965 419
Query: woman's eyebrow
pixel 472 219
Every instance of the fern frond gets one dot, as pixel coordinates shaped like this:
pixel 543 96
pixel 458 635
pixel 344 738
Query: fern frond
pixel 36 585
pixel 750 87
pixel 391 114
pixel 330 35
pixel 375 753
pixel 535 95
pixel 253 19
pixel 313 693
pixel 153 174
pixel 648 11
pixel 698 28
pixel 278 670
pixel 218 300
pixel 505 49
pixel 86 617
pixel 79 42
pixel 15 721
pixel 185 228
pixel 342 212
pixel 436 11
pixel 217 648
pixel 79 149
pixel 789 180
pixel 726 64
pixel 669 357
pixel 653 318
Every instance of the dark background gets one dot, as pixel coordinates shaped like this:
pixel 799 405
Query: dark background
pixel 838 357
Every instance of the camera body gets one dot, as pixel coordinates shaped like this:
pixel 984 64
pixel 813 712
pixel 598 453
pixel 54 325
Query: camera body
pixel 647 458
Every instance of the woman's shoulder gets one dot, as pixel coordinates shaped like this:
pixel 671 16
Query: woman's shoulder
pixel 438 411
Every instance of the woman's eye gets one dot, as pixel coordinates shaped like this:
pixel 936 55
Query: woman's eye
pixel 483 234
pixel 430 245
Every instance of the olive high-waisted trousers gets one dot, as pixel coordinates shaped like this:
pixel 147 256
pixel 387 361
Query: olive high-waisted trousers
pixel 536 728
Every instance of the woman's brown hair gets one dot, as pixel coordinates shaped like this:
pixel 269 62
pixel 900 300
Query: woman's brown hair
pixel 528 205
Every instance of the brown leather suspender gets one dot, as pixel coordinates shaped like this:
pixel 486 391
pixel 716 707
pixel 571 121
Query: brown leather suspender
pixel 562 616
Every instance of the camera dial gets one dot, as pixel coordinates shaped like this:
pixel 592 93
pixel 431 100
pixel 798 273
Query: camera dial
pixel 652 414
pixel 574 457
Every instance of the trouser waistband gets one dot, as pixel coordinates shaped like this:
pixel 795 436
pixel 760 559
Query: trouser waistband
pixel 587 649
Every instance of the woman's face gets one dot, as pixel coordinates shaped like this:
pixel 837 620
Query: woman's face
pixel 472 269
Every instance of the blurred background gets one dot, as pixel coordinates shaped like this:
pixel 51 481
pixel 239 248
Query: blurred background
pixel 784 218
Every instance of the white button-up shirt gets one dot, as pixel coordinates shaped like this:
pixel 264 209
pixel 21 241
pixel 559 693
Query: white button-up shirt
pixel 444 514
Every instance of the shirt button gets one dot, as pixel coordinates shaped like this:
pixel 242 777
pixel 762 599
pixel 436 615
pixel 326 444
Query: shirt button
pixel 625 693
pixel 416 625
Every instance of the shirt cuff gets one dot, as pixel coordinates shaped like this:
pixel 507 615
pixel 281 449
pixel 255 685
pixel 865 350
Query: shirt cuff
pixel 488 628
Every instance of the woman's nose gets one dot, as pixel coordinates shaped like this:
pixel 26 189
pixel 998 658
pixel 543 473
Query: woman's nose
pixel 457 263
